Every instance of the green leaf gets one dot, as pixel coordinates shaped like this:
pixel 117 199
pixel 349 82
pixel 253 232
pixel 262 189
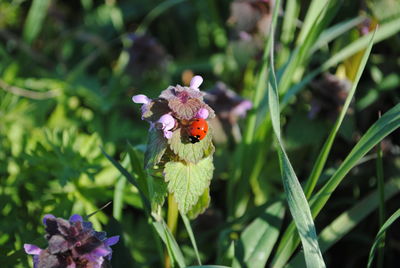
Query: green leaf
pixel 297 201
pixel 186 222
pixel 381 235
pixel 288 245
pixel 188 181
pixel 346 221
pixel 131 179
pixel 259 238
pixel 173 249
pixel 159 192
pixel 201 205
pixel 323 156
pixel 35 19
pixel 389 122
pixel 156 147
pixel 190 152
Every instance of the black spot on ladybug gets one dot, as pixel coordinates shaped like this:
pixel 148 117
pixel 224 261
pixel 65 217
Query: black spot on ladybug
pixel 198 128
pixel 205 132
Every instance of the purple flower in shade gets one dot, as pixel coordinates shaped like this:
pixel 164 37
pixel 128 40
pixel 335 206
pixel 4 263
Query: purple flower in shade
pixel 241 109
pixel 166 123
pixel 72 244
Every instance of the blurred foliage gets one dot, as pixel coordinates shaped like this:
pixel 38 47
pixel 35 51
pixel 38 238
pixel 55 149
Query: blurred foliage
pixel 68 70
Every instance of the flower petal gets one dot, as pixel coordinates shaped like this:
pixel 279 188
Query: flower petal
pixel 75 218
pixel 32 249
pixel 141 99
pixel 196 82
pixel 241 109
pixel 167 121
pixel 48 216
pixel 167 134
pixel 112 240
pixel 202 113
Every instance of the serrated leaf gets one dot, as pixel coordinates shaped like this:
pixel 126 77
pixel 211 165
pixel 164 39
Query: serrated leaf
pixel 201 205
pixel 190 152
pixel 156 146
pixel 188 181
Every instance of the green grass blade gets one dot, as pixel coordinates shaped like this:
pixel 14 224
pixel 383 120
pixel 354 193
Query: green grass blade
pixel 384 31
pixel 258 239
pixel 381 235
pixel 173 249
pixel 323 155
pixel 389 122
pixel 238 186
pixel 346 221
pixel 119 193
pixel 314 12
pixel 186 222
pixel 297 201
pixel 301 54
pixel 131 179
pixel 381 182
pixel 35 19
pixel 335 31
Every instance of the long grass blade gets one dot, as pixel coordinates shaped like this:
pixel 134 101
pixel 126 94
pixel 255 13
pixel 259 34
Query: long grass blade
pixel 349 219
pixel 381 191
pixel 389 122
pixel 297 201
pixel 381 235
pixel 258 239
pixel 188 227
pixel 323 156
pixel 385 30
pixel 34 22
pixel 173 249
pixel 131 179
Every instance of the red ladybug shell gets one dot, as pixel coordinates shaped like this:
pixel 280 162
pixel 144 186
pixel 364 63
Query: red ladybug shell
pixel 197 130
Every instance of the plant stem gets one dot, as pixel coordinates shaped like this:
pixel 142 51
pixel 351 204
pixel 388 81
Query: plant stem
pixel 379 171
pixel 172 222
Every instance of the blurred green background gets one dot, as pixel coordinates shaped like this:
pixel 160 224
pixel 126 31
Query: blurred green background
pixel 68 70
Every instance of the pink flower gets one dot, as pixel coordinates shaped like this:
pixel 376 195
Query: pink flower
pixel 166 123
pixel 143 99
pixel 202 113
pixel 196 82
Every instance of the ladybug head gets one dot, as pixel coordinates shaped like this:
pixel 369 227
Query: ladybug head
pixel 194 139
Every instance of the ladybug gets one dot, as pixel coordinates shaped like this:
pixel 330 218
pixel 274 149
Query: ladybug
pixel 197 130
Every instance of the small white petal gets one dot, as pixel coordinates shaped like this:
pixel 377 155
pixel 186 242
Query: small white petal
pixel 141 99
pixel 196 82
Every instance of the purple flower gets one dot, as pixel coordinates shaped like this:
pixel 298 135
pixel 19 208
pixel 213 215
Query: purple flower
pixel 166 123
pixel 242 108
pixel 71 244
pixel 143 99
pixel 202 113
pixel 196 82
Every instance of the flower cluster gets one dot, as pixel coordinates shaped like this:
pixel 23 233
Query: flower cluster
pixel 175 107
pixel 180 145
pixel 72 244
